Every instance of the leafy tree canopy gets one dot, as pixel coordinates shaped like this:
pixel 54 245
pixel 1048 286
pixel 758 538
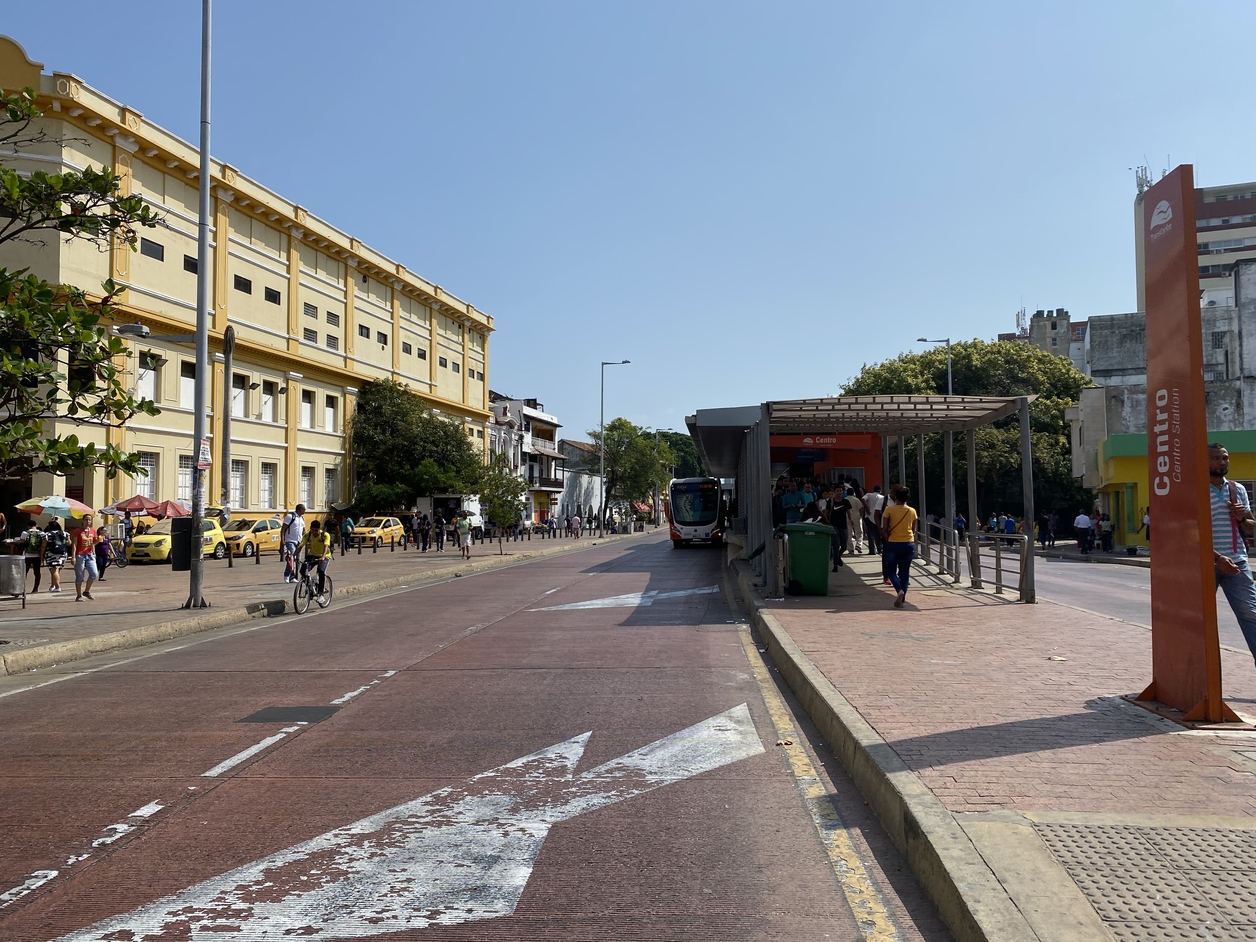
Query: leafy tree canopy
pixel 687 462
pixel 634 463
pixel 502 495
pixel 403 450
pixel 1001 368
pixel 57 357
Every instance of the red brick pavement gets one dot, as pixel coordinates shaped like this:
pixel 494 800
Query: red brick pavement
pixel 963 688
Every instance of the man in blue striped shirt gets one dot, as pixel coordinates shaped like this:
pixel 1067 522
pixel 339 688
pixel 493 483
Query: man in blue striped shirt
pixel 1231 520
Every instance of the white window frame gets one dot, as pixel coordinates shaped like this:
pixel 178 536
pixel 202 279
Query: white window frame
pixel 187 468
pixel 147 486
pixel 266 491
pixel 307 486
pixel 239 484
pixel 305 415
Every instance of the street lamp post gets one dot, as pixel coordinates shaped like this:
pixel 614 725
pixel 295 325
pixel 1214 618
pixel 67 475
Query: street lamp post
pixel 658 507
pixel 947 441
pixel 601 511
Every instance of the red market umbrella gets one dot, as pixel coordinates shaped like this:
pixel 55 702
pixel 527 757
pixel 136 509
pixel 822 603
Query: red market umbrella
pixel 137 504
pixel 169 508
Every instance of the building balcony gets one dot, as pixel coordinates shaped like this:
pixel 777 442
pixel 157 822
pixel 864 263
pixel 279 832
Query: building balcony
pixel 546 484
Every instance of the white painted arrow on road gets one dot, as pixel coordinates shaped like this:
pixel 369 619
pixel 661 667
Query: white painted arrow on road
pixel 457 855
pixel 631 600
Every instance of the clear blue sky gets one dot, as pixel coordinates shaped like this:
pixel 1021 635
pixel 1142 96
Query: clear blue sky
pixel 748 200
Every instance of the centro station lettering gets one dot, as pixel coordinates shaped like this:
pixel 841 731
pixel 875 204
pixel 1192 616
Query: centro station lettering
pixel 1167 429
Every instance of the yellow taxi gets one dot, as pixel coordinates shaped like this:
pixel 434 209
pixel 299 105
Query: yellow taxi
pixel 153 545
pixel 249 536
pixel 379 530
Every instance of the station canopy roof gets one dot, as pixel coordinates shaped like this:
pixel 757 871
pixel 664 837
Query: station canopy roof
pixel 718 432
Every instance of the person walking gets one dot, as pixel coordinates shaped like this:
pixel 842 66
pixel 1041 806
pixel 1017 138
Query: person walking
pixel 898 532
pixel 1053 524
pixel 56 552
pixel 1232 526
pixel 425 531
pixel 34 542
pixel 438 531
pixel 837 511
pixel 346 533
pixel 290 535
pixel 874 502
pixel 961 528
pixel 463 528
pixel 85 573
pixel 1044 526
pixel 576 525
pixel 102 554
pixel 1081 526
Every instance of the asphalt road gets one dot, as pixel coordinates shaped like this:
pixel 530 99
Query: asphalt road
pixel 583 747
pixel 1121 591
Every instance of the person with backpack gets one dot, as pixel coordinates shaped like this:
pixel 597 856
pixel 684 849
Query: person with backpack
pixel 1233 527
pixel 438 531
pixel 33 544
pixel 56 552
pixel 346 533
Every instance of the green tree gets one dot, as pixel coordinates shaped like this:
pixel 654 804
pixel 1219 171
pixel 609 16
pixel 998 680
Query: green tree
pixel 501 496
pixel 684 454
pixel 634 466
pixel 1001 368
pixel 57 357
pixel 403 450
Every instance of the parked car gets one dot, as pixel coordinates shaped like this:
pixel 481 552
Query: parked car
pixel 154 544
pixel 379 530
pixel 249 535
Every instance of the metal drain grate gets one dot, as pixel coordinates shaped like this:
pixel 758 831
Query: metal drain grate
pixel 290 714
pixel 1162 884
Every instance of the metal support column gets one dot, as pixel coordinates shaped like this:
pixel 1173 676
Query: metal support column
pixel 948 492
pixel 902 459
pixel 885 464
pixel 920 499
pixel 974 517
pixel 765 475
pixel 1027 593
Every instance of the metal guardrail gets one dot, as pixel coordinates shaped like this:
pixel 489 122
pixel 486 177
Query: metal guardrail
pixel 1007 553
pixel 938 544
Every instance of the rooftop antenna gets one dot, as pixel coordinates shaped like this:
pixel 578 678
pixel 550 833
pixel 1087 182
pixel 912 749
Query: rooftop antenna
pixel 1022 325
pixel 1142 178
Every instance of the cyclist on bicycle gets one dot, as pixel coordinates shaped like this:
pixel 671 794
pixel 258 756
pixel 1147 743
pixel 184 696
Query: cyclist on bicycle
pixel 317 544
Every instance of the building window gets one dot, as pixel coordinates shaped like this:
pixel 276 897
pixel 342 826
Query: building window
pixel 307 487
pixel 266 493
pixel 190 264
pixel 457 367
pixel 272 295
pixel 311 310
pixel 333 319
pixel 239 395
pixel 309 335
pixel 307 409
pixel 329 414
pixel 333 342
pixel 146 484
pixel 1218 340
pixel 243 284
pixel 146 384
pixel 443 362
pixel 479 433
pixel 1053 341
pixel 268 404
pixel 381 338
pixel 331 488
pixel 364 331
pixel 187 469
pixel 187 384
pixel 406 348
pixel 153 249
pixel 239 475
pixel 422 354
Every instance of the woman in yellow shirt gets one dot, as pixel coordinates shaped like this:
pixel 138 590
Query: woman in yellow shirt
pixel 317 544
pixel 898 530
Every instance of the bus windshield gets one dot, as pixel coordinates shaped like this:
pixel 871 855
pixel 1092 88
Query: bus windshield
pixel 695 503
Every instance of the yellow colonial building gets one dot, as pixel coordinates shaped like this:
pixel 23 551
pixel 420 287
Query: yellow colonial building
pixel 316 314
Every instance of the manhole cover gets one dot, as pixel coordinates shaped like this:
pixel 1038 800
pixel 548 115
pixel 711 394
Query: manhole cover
pixel 291 714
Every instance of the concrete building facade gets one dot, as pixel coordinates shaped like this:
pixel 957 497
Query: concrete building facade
pixel 316 314
pixel 540 462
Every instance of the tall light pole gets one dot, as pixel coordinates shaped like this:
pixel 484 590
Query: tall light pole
pixel 947 441
pixel 658 507
pixel 601 511
pixel 949 390
pixel 203 275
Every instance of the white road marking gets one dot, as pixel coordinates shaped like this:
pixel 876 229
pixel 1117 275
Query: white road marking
pixel 147 811
pixel 631 600
pixel 116 831
pixel 33 882
pixel 353 693
pixel 239 757
pixel 457 855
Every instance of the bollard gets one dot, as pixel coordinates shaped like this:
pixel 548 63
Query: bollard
pixel 230 558
pixel 359 546
pixel 392 544
pixel 257 556
pixel 375 546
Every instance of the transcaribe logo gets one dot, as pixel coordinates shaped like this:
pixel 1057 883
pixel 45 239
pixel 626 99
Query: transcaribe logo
pixel 1161 217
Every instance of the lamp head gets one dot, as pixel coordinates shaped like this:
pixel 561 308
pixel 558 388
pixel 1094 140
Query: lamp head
pixel 132 330
pixel 922 340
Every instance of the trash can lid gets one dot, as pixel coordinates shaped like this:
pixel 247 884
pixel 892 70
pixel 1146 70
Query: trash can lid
pixel 808 528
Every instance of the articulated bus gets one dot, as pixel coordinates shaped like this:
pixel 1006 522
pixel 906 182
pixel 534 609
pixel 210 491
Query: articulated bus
pixel 695 510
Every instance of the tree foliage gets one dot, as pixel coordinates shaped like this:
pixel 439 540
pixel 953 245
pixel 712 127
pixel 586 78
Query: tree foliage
pixel 634 463
pixel 57 357
pixel 502 495
pixel 687 462
pixel 1001 368
pixel 403 450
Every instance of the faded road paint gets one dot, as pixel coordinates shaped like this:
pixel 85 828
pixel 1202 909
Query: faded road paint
pixel 460 854
pixel 631 600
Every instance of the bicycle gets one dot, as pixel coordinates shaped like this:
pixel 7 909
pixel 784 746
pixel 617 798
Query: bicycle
pixel 305 589
pixel 117 554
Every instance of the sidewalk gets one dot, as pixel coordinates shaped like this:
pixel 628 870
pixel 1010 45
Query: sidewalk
pixel 141 604
pixel 1031 800
pixel 1117 557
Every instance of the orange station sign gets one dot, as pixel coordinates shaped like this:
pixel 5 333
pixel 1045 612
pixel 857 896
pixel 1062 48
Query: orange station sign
pixel 1185 652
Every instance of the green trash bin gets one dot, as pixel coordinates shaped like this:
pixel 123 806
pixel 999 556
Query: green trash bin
pixel 808 571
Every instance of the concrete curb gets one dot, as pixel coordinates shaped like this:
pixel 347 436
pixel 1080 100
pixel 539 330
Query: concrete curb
pixel 25 660
pixel 1141 562
pixel 969 896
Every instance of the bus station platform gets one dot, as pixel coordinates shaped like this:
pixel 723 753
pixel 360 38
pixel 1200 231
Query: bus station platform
pixel 994 743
